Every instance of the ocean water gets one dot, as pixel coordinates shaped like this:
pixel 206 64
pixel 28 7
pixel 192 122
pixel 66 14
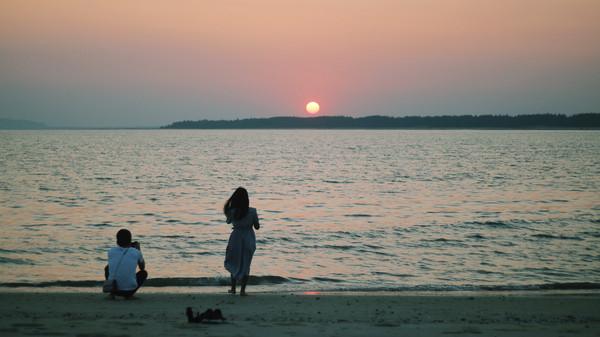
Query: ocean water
pixel 355 209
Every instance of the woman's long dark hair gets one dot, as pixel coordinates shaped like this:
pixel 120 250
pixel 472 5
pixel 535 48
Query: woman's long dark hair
pixel 238 200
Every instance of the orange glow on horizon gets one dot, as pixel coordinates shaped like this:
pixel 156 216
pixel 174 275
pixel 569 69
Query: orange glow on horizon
pixel 311 293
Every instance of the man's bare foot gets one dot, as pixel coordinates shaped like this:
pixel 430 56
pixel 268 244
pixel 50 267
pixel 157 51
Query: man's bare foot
pixel 231 291
pixel 243 293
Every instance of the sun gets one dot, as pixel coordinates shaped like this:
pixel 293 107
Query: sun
pixel 312 107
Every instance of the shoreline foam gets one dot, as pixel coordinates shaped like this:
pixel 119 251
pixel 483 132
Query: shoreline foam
pixel 285 284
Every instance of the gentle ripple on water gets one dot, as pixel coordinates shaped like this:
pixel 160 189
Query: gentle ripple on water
pixel 340 209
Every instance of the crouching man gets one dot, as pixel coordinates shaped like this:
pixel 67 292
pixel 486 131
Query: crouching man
pixel 122 263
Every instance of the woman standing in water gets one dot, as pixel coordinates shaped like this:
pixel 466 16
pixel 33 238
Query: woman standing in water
pixel 242 242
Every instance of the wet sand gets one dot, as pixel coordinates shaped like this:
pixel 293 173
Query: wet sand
pixel 346 314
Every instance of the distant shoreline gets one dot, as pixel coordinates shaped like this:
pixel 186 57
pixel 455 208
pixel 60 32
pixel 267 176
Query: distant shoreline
pixel 586 121
pixel 306 129
pixel 484 122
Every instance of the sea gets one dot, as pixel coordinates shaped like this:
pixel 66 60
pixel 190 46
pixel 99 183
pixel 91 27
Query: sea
pixel 340 210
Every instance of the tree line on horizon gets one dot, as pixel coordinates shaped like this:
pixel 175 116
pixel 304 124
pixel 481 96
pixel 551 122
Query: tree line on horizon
pixel 534 121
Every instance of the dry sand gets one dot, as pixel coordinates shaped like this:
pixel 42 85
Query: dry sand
pixel 156 314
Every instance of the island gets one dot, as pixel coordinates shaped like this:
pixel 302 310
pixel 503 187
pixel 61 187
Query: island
pixel 20 124
pixel 534 121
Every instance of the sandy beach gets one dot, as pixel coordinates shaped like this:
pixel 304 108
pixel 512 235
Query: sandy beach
pixel 386 314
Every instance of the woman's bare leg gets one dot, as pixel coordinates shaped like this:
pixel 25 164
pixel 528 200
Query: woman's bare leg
pixel 243 288
pixel 233 283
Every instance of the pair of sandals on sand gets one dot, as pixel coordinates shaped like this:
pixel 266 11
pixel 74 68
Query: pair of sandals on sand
pixel 209 316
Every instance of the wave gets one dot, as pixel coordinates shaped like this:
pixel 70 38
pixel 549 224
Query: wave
pixel 440 240
pixel 556 237
pixel 174 236
pixel 546 286
pixel 493 224
pixel 358 215
pixel 103 224
pixel 476 288
pixel 334 247
pixel 368 251
pixel 327 279
pixel 592 234
pixel 391 274
pixel 160 282
pixel 329 181
pixel 8 260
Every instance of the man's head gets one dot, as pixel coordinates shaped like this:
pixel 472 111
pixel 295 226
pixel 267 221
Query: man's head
pixel 124 238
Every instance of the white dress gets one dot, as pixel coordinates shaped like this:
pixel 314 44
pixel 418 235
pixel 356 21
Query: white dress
pixel 242 243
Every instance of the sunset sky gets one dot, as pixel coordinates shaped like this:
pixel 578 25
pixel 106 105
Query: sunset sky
pixel 148 63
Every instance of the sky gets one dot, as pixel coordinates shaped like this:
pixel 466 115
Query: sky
pixel 148 63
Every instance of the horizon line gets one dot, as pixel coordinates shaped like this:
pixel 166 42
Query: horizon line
pixel 44 126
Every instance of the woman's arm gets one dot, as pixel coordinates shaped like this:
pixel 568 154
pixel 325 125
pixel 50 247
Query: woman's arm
pixel 256 224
